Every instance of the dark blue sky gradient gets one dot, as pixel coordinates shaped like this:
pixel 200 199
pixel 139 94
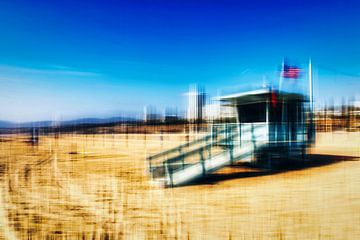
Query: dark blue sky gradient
pixel 97 58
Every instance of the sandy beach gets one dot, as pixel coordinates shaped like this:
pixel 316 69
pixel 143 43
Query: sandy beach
pixel 97 187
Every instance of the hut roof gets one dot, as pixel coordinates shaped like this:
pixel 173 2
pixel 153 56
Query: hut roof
pixel 261 95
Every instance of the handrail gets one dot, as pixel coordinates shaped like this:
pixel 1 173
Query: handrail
pixel 188 144
pixel 240 137
pixel 225 139
pixel 182 156
pixel 167 163
pixel 194 151
pixel 244 128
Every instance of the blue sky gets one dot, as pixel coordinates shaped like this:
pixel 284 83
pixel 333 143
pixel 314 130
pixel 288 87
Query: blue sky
pixel 69 59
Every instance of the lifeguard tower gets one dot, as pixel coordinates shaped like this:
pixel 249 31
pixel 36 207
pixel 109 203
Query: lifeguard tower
pixel 273 127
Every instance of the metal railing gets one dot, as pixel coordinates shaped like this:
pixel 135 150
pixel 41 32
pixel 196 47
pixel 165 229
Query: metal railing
pixel 217 135
pixel 204 156
pixel 225 138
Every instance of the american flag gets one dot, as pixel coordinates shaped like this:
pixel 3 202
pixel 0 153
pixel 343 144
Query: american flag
pixel 290 71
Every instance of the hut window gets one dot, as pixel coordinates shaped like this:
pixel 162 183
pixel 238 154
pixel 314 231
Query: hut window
pixel 250 113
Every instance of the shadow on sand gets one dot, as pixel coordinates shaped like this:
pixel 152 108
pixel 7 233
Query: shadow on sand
pixel 237 171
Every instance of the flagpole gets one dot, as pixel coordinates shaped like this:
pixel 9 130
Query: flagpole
pixel 311 86
pixel 280 86
pixel 281 73
pixel 312 128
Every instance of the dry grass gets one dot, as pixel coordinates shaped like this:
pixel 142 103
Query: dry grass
pixel 96 187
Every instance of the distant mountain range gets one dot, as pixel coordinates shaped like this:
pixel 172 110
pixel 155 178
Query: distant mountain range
pixel 7 124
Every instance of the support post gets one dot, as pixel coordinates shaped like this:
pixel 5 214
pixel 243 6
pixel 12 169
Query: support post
pixel 202 161
pixel 168 173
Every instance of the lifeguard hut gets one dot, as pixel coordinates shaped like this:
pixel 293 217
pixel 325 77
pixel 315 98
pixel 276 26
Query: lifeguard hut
pixel 287 119
pixel 272 127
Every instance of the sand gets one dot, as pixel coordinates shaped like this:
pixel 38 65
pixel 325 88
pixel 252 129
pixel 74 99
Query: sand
pixel 97 187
